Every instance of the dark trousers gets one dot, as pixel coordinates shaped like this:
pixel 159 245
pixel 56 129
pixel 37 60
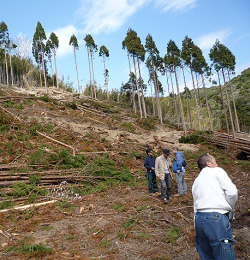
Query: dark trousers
pixel 166 181
pixel 152 185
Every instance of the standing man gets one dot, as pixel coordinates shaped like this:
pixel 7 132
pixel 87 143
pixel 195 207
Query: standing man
pixel 214 196
pixel 149 164
pixel 163 172
pixel 180 172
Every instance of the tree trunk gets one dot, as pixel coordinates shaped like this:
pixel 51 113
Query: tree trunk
pixel 105 77
pixel 76 70
pixel 93 73
pixel 45 82
pixel 235 112
pixel 176 110
pixel 208 110
pixel 142 94
pixel 196 101
pixel 228 104
pixel 189 112
pixel 52 71
pixel 152 94
pixel 90 80
pixel 137 86
pixel 157 94
pixel 11 71
pixel 133 94
pixel 225 114
pixel 170 104
pixel 6 62
pixel 200 102
pixel 180 102
pixel 57 83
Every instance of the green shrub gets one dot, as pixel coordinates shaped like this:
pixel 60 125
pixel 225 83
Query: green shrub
pixel 147 123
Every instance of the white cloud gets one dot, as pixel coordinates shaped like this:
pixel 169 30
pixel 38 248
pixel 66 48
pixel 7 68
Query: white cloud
pixel 206 42
pixel 175 5
pixel 64 35
pixel 242 67
pixel 109 15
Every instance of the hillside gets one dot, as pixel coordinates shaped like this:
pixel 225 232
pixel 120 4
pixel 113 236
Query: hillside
pixel 95 204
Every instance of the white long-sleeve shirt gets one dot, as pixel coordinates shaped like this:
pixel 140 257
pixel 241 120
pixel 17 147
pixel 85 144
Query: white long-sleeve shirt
pixel 213 191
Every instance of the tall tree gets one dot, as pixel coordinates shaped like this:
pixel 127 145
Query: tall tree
pixel 38 38
pixel 11 47
pixel 218 55
pixel 187 55
pixel 4 40
pixel 153 53
pixel 104 53
pixel 175 60
pixel 55 45
pixel 200 66
pixel 214 57
pixel 92 48
pixel 131 44
pixel 48 53
pixel 73 42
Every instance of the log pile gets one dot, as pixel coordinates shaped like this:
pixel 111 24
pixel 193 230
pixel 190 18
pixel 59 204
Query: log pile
pixel 47 178
pixel 227 141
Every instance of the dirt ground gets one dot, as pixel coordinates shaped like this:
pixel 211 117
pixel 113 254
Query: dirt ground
pixel 121 221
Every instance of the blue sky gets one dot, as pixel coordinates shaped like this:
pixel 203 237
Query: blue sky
pixel 108 21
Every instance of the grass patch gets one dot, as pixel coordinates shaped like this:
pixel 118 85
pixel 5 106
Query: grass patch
pixel 105 243
pixel 65 205
pixel 130 222
pixel 172 234
pixel 144 236
pixel 120 207
pixel 47 228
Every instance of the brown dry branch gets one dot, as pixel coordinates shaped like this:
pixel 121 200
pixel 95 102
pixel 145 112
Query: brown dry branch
pixel 54 140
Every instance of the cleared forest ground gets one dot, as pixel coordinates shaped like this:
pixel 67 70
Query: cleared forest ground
pixel 113 220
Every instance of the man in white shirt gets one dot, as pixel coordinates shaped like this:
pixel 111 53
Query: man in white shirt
pixel 214 196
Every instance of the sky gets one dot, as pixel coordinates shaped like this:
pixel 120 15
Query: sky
pixel 108 21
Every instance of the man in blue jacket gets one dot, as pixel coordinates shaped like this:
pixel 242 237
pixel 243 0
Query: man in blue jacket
pixel 180 172
pixel 149 164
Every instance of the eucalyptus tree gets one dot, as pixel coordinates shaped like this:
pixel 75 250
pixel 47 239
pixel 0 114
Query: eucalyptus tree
pixel 153 54
pixel 104 53
pixel 4 40
pixel 54 43
pixel 131 44
pixel 200 66
pixel 175 60
pixel 73 42
pixel 92 48
pixel 187 55
pixel 169 97
pixel 38 41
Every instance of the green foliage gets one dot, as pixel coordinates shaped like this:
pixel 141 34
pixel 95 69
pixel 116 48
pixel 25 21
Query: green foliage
pixel 120 207
pixel 9 103
pixel 33 179
pixel 147 123
pixel 47 228
pixel 6 204
pixel 172 234
pixel 72 105
pixel 36 157
pixel 35 127
pixel 65 160
pixel 65 205
pixel 40 249
pixel 144 236
pixel 128 125
pixel 195 138
pixel 104 243
pixel 20 106
pixel 22 189
pixel 3 127
pixel 45 98
pixel 130 222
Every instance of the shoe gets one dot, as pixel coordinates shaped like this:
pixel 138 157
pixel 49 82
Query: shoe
pixel 176 195
pixel 151 194
pixel 165 201
pixel 169 198
pixel 157 193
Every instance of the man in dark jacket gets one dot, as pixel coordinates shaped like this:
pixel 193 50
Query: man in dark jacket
pixel 149 164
